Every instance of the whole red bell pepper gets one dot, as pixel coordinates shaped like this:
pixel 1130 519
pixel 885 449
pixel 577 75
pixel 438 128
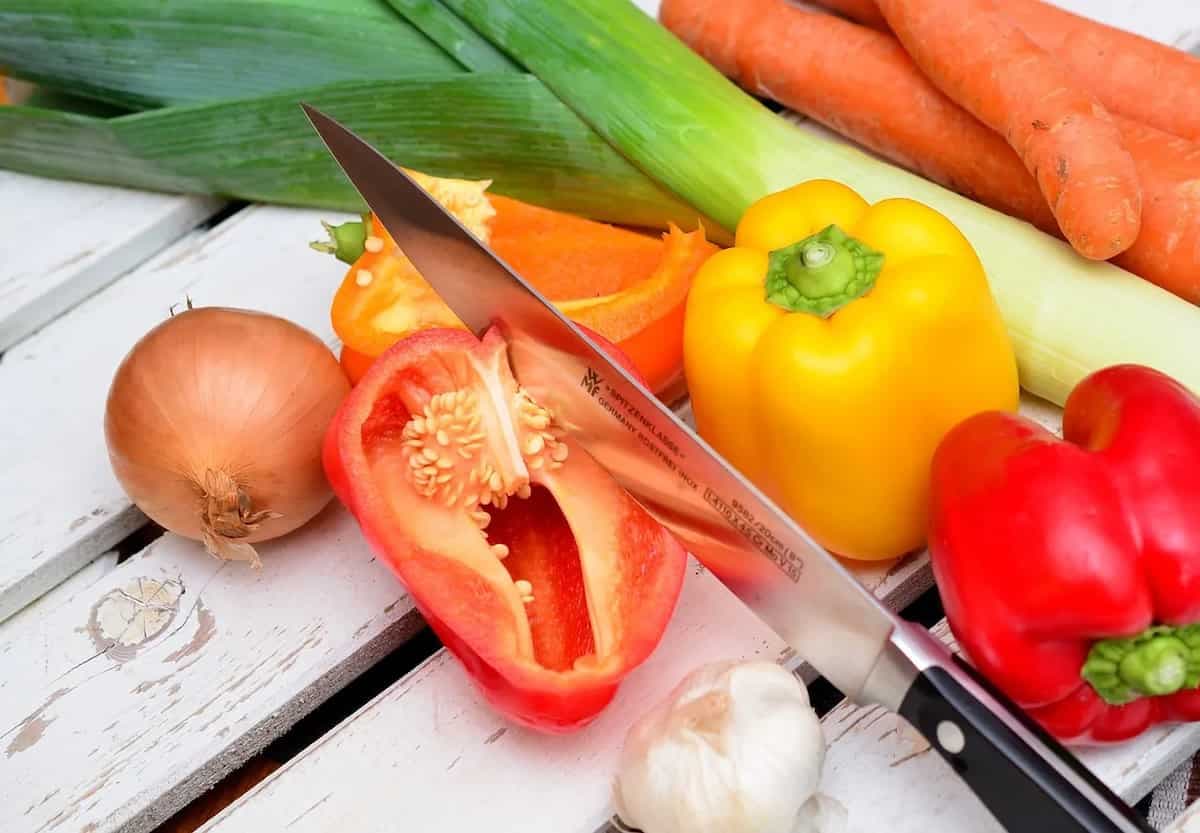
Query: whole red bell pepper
pixel 1070 569
pixel 531 564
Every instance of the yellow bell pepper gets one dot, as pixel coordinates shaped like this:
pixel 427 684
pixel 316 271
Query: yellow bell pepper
pixel 832 347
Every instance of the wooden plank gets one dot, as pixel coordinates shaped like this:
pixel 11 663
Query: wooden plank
pixel 66 240
pixel 431 746
pixel 429 752
pixel 171 670
pixel 59 502
pixel 1188 821
pixel 28 620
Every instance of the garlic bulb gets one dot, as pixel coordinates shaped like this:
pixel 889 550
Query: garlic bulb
pixel 735 748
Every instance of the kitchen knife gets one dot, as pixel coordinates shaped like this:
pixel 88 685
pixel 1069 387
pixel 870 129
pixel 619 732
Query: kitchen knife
pixel 1024 777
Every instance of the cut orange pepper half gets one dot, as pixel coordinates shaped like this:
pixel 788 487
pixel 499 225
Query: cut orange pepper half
pixel 628 286
pixel 355 364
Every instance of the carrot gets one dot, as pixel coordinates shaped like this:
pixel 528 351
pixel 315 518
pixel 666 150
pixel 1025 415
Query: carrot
pixel 1064 136
pixel 862 84
pixel 1146 81
pixel 1169 170
pixel 1131 75
pixel 863 11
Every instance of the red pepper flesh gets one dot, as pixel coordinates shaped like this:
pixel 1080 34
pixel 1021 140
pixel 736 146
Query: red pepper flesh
pixel 531 564
pixel 1055 558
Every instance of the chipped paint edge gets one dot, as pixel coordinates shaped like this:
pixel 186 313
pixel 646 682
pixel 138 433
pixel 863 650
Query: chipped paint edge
pixel 206 775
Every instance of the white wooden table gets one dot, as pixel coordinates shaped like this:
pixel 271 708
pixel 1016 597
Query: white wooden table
pixel 130 688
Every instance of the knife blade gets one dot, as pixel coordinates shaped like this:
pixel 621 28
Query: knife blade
pixel 1027 780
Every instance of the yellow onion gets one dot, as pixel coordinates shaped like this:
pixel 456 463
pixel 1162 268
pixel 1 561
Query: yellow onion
pixel 214 424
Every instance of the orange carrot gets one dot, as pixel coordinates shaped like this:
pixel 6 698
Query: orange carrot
pixel 862 84
pixel 1131 75
pixel 1064 136
pixel 863 11
pixel 1146 81
pixel 1169 170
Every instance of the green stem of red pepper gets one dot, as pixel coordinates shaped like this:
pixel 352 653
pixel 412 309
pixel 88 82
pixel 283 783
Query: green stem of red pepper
pixel 1160 660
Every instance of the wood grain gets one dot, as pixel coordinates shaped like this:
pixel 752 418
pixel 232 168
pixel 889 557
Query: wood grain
pixel 63 241
pixel 152 684
pixel 431 746
pixel 430 755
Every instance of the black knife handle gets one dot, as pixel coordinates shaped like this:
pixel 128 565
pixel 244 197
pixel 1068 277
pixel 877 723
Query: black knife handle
pixel 1025 777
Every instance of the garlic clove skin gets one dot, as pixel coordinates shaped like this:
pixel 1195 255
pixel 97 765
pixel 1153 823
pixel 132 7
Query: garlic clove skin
pixel 734 748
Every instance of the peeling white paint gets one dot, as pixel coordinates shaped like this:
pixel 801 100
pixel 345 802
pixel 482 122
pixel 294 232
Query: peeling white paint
pixel 133 615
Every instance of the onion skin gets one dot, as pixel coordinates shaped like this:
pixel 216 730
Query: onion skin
pixel 214 426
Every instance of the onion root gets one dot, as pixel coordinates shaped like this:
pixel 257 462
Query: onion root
pixel 228 516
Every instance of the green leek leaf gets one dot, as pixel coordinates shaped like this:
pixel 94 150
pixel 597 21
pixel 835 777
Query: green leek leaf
pixel 452 33
pixel 146 53
pixel 501 126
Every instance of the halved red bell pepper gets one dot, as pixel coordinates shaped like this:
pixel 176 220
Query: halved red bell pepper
pixel 1070 569
pixel 529 561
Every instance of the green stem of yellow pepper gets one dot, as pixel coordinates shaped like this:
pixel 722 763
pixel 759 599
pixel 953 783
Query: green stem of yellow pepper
pixel 822 273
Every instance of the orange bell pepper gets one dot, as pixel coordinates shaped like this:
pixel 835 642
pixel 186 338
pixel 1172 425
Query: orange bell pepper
pixel 628 286
pixel 355 364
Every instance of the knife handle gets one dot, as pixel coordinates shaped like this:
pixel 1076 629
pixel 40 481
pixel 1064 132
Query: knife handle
pixel 1025 777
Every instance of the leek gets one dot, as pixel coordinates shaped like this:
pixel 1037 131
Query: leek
pixel 693 130
pixel 452 33
pixel 505 127
pixel 144 53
